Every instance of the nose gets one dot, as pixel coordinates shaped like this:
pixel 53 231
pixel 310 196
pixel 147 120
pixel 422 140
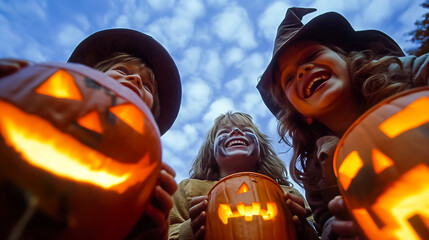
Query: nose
pixel 302 70
pixel 135 79
pixel 236 130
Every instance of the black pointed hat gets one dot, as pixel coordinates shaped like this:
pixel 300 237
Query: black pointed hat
pixel 328 28
pixel 100 45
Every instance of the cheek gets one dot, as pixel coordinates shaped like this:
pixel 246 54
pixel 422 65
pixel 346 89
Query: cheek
pixel 147 98
pixel 255 142
pixel 219 150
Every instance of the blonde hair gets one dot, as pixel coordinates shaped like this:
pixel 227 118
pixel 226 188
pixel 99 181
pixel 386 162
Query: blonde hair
pixel 120 57
pixel 205 166
pixel 372 79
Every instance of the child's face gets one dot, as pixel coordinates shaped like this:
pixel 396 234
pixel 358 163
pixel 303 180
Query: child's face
pixel 236 149
pixel 135 78
pixel 315 80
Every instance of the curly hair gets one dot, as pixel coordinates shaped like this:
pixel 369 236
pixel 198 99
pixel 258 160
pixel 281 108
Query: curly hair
pixel 205 167
pixel 120 57
pixel 372 81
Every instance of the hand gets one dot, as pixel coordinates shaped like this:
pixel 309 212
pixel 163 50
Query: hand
pixel 9 66
pixel 197 213
pixel 161 199
pixel 297 208
pixel 343 225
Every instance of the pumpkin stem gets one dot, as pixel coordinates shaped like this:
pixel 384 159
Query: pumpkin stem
pixel 32 203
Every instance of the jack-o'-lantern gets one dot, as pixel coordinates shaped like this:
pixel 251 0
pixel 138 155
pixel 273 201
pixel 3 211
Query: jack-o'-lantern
pixel 80 154
pixel 248 206
pixel 382 166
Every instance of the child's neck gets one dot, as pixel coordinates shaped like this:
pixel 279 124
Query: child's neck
pixel 342 120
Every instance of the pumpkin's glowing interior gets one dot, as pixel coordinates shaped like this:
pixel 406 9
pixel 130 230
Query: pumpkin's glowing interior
pixel 414 115
pixel 61 154
pixel 406 198
pixel 225 212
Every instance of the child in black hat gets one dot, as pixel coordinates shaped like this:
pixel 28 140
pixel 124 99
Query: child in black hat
pixel 322 77
pixel 141 64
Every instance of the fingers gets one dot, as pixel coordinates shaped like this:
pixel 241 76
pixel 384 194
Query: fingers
pixel 345 229
pixel 9 66
pixel 338 208
pixel 167 182
pixel 198 205
pixel 163 200
pixel 296 205
pixel 200 234
pixel 167 168
pixel 156 215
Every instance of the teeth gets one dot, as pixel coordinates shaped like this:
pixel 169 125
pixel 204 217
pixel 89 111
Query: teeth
pixel 236 142
pixel 308 89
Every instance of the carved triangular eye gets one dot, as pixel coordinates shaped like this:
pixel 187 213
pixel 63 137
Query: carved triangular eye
pixel 408 118
pixel 380 161
pixel 91 121
pixel 243 188
pixel 349 168
pixel 131 115
pixel 60 85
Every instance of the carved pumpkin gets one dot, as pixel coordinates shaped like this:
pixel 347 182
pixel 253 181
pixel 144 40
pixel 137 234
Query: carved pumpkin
pixel 248 206
pixel 82 149
pixel 382 166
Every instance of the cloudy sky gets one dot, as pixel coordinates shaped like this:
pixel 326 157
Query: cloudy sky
pixel 220 47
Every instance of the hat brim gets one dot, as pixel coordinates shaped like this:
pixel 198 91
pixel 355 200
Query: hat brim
pixel 100 45
pixel 329 28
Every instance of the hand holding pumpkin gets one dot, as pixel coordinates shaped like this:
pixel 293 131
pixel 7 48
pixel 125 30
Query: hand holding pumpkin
pixel 342 225
pixel 162 200
pixel 9 66
pixel 297 208
pixel 197 213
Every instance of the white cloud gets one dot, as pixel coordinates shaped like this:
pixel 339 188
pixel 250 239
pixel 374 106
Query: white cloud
pixel 69 35
pixel 190 62
pixel 270 19
pixel 235 86
pixel 233 55
pixel 161 5
pixel 234 25
pixel 191 9
pixel 213 67
pixel 218 107
pixel 197 95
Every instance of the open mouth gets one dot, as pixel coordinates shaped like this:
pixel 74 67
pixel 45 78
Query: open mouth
pixel 314 82
pixel 236 142
pixel 132 87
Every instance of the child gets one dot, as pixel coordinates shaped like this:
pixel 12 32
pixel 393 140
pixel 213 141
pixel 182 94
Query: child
pixel 140 63
pixel 322 77
pixel 215 161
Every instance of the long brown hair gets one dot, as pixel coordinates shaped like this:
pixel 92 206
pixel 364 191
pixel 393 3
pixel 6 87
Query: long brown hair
pixel 205 166
pixel 372 79
pixel 120 57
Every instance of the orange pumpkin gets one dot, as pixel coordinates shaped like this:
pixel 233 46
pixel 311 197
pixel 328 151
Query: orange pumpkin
pixel 83 150
pixel 248 206
pixel 382 166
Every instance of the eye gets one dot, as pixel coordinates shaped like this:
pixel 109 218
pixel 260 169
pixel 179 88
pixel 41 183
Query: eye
pixel 286 81
pixel 121 70
pixel 149 87
pixel 313 55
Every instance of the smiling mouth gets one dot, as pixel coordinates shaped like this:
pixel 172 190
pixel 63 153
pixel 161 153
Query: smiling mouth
pixel 315 83
pixel 132 87
pixel 236 143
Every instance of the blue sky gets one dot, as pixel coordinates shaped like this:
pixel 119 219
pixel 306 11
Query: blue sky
pixel 220 47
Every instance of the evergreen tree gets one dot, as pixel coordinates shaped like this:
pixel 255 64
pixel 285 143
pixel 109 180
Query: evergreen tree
pixel 421 34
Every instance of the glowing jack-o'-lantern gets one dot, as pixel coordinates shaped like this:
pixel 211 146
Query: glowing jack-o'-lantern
pixel 82 149
pixel 248 206
pixel 382 166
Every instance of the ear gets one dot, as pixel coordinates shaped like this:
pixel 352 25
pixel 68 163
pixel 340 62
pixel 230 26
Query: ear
pixel 309 120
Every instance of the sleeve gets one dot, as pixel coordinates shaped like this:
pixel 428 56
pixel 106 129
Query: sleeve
pixel 322 187
pixel 417 69
pixel 180 222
